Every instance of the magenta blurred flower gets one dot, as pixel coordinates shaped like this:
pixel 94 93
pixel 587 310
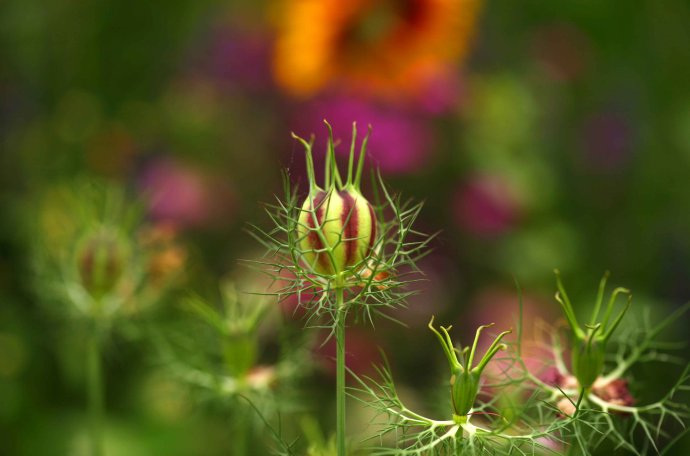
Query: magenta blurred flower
pixel 607 141
pixel 485 205
pixel 182 195
pixel 442 93
pixel 239 57
pixel 401 141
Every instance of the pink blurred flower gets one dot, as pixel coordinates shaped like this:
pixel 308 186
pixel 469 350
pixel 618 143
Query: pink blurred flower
pixel 401 141
pixel 501 307
pixel 361 352
pixel 485 205
pixel 435 290
pixel 184 196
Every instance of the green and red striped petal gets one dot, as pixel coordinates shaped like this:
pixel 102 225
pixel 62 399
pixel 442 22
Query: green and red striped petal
pixel 337 230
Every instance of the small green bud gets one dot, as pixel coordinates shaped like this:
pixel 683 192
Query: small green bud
pixel 588 360
pixel 101 261
pixel 589 343
pixel 465 379
pixel 464 386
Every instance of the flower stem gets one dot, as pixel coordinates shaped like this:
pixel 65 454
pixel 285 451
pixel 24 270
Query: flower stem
pixel 95 390
pixel 340 371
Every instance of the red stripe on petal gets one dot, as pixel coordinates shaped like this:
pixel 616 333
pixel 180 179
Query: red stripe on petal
pixel 350 223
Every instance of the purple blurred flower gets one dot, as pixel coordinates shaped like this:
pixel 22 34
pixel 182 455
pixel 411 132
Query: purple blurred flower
pixel 176 194
pixel 240 58
pixel 485 206
pixel 607 141
pixel 401 141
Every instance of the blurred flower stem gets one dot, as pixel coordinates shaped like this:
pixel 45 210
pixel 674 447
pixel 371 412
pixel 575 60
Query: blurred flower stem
pixel 94 381
pixel 340 368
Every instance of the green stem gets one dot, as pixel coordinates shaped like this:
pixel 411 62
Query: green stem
pixel 95 390
pixel 240 440
pixel 340 370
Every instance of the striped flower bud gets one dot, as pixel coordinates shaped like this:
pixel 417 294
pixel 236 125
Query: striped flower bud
pixel 337 230
pixel 100 263
pixel 337 225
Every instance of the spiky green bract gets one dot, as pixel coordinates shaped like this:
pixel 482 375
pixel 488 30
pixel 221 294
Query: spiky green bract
pixel 532 430
pixel 589 343
pixel 379 278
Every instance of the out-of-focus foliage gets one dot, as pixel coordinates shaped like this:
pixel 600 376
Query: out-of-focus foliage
pixel 539 135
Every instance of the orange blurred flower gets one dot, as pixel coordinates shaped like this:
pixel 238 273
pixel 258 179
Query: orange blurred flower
pixel 386 47
pixel 167 258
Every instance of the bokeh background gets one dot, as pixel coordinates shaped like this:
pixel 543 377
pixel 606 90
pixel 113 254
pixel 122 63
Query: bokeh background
pixel 540 135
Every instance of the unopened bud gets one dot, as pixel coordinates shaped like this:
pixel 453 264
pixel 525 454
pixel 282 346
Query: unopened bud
pixel 337 230
pixel 587 360
pixel 464 386
pixel 100 262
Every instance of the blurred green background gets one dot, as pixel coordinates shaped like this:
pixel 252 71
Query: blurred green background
pixel 540 135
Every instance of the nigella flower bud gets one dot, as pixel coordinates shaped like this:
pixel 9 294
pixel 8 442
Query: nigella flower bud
pixel 464 386
pixel 100 263
pixel 588 360
pixel 337 230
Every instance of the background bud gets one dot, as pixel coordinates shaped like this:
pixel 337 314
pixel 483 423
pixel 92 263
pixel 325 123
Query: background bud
pixel 100 262
pixel 340 222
